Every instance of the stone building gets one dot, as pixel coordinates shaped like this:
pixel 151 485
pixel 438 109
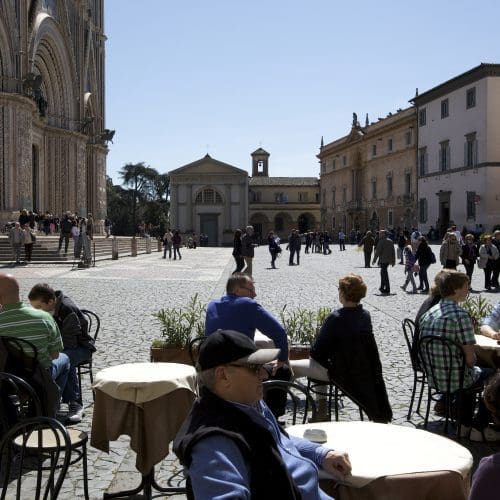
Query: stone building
pixel 281 203
pixel 52 136
pixel 459 151
pixel 211 197
pixel 368 177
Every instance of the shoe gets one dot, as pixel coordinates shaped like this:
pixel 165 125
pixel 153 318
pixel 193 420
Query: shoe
pixel 489 435
pixel 75 412
pixel 414 291
pixel 403 288
pixel 465 430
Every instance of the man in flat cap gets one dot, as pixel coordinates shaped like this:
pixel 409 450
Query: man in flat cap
pixel 231 444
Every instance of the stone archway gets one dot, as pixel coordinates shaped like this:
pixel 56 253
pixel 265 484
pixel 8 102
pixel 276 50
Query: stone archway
pixel 261 225
pixel 374 222
pixel 306 222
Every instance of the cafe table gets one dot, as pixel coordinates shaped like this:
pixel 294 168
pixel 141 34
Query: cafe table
pixel 487 351
pixel 148 402
pixel 393 462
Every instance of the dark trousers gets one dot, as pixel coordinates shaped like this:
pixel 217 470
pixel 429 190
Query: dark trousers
pixel 240 263
pixel 488 273
pixel 469 269
pixel 28 249
pixel 273 257
pixel 294 251
pixel 342 244
pixel 450 264
pixel 368 255
pixel 467 403
pixel 496 272
pixel 424 280
pixel 385 286
pixel 65 237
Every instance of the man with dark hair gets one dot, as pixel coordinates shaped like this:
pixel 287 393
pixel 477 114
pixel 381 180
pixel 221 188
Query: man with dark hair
pixel 232 446
pixel 448 320
pixel 78 345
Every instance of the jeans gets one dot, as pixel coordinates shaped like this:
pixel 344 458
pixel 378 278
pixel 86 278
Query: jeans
pixel 385 286
pixel 167 246
pixel 273 258
pixel 16 251
pixel 177 251
pixel 424 280
pixel 368 256
pixel 240 263
pixel 409 279
pixel 65 237
pixel 342 245
pixel 71 391
pixel 59 370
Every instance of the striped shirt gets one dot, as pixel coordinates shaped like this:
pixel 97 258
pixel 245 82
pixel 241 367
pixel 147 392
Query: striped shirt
pixel 33 325
pixel 447 319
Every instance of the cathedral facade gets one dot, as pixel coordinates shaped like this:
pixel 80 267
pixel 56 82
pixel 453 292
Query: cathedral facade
pixel 53 141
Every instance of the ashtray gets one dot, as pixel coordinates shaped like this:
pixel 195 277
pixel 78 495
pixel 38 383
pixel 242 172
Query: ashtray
pixel 315 435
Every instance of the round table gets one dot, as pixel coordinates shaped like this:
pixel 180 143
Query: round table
pixel 392 461
pixel 487 351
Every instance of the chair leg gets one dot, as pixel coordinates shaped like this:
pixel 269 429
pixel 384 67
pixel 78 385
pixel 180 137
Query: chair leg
pixel 429 401
pixel 91 375
pixel 422 387
pixel 307 399
pixel 412 395
pixel 85 472
pixel 80 399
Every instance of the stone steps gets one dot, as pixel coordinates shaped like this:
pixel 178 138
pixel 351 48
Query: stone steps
pixel 45 248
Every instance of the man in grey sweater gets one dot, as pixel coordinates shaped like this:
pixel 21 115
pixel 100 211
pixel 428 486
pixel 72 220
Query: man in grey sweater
pixel 385 254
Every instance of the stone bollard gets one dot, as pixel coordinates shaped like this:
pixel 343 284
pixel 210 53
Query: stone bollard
pixel 114 249
pixel 148 245
pixel 134 247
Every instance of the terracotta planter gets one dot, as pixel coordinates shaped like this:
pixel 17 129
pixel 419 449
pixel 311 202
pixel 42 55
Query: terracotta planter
pixel 170 355
pixel 299 351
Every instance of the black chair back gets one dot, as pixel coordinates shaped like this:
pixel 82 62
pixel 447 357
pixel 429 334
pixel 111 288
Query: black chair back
pixel 411 342
pixel 21 359
pixel 194 348
pixel 297 403
pixel 24 449
pixel 93 322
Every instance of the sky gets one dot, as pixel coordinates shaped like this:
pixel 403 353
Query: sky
pixel 189 77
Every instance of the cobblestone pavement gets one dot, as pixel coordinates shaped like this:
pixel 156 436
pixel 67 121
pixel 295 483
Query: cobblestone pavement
pixel 125 293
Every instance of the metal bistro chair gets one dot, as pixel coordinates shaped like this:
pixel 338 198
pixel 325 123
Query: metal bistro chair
pixel 452 358
pixel 85 367
pixel 297 402
pixel 19 400
pixel 418 372
pixel 24 448
pixel 194 348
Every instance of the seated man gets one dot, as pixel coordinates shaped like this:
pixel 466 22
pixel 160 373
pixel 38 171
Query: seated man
pixel 232 446
pixel 447 319
pixel 78 345
pixel 37 327
pixel 240 312
pixel 490 325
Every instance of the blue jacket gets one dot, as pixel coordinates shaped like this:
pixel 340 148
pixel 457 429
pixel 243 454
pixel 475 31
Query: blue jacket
pixel 245 315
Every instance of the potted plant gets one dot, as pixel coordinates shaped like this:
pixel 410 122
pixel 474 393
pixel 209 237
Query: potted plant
pixel 477 307
pixel 302 326
pixel 178 327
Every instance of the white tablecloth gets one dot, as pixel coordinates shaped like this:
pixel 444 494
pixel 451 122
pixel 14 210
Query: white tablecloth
pixel 142 382
pixel 378 450
pixel 487 344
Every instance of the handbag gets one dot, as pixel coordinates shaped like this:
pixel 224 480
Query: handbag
pixel 33 238
pixel 415 268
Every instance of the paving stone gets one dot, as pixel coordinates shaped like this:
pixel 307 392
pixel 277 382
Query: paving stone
pixel 125 294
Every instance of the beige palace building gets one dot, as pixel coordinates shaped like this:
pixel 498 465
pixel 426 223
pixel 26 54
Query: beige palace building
pixel 52 136
pixel 368 177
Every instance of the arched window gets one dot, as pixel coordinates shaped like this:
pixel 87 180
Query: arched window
pixel 208 196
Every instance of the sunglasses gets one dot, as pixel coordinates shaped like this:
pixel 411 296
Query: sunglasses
pixel 252 367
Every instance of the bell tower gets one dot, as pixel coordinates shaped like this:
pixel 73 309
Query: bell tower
pixel 260 163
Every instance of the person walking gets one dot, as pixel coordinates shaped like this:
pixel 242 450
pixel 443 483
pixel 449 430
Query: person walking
pixel 488 255
pixel 294 245
pixel 238 258
pixel 450 251
pixel 367 242
pixel 29 239
pixel 409 267
pixel 341 240
pixel 385 254
pixel 167 244
pixel 65 233
pixel 470 254
pixel 247 249
pixel 274 247
pixel 424 257
pixel 16 239
pixel 176 242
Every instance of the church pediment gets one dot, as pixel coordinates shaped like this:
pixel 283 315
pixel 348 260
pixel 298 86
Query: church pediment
pixel 355 135
pixel 208 165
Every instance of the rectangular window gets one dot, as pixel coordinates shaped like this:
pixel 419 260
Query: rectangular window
pixel 407 183
pixel 344 195
pixel 303 197
pixel 422 210
pixel 374 188
pixel 390 218
pixel 422 117
pixel 333 223
pixel 445 111
pixel 470 153
pixel 422 161
pixel 256 196
pixel 408 138
pixel 279 197
pixel 389 186
pixel 317 197
pixel 323 167
pixel 444 156
pixel 334 202
pixel 334 164
pixel 471 204
pixel 470 98
pixel 344 160
pixel 374 150
pixel 389 145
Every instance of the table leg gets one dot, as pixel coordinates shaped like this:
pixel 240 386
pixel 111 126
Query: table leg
pixel 147 483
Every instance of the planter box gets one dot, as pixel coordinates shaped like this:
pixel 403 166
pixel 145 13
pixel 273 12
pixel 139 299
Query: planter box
pixel 299 351
pixel 170 355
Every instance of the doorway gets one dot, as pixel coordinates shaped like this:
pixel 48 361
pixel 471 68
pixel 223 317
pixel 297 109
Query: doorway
pixel 444 212
pixel 209 224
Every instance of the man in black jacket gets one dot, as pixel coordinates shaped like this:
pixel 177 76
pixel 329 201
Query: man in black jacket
pixel 231 444
pixel 78 345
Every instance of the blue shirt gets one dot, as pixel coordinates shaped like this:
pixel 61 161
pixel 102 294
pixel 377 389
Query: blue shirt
pixel 245 315
pixel 219 471
pixel 493 319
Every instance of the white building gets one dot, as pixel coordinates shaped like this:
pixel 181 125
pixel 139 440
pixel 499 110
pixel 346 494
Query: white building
pixel 459 151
